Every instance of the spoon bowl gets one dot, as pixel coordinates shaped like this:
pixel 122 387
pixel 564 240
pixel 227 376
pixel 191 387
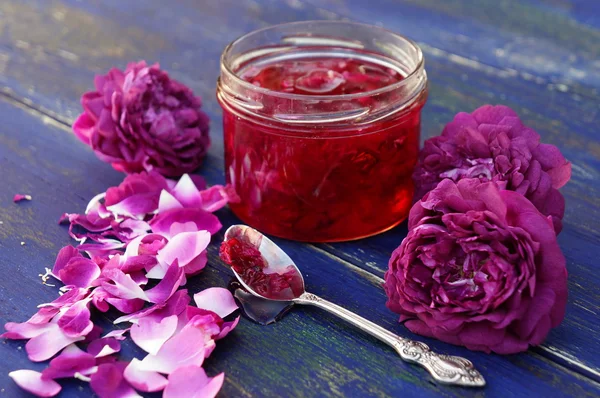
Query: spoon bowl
pixel 271 259
pixel 278 262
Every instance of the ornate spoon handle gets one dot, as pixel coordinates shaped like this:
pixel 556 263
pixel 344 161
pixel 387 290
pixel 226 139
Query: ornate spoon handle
pixel 444 368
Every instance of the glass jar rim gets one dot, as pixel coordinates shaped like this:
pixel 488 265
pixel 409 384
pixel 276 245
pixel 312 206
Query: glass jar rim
pixel 411 75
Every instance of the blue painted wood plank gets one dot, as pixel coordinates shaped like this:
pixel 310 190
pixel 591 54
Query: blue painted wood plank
pixel 511 35
pixel 585 12
pixel 309 353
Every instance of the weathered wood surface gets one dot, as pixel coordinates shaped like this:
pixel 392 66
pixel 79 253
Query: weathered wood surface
pixel 50 50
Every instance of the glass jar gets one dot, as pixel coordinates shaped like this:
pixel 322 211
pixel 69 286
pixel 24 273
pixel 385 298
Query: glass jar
pixel 321 125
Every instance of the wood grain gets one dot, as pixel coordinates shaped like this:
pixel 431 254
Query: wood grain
pixel 548 44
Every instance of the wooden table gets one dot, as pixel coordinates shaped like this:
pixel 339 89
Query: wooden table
pixel 542 58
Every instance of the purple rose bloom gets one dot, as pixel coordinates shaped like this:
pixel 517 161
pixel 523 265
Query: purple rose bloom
pixel 493 145
pixel 480 267
pixel 141 119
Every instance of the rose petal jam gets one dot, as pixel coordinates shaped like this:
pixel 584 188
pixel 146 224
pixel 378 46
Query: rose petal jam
pixel 320 143
pixel 254 270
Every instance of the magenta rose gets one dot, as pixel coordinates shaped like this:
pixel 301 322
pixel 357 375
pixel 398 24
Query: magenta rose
pixel 493 145
pixel 141 119
pixel 480 268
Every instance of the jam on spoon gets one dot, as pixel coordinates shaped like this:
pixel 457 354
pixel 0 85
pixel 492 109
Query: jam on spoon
pixel 247 261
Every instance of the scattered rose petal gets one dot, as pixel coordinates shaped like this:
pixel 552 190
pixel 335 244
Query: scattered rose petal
pixel 46 345
pixel 123 286
pixel 33 382
pixel 136 196
pixel 216 299
pixel 173 306
pixel 126 306
pixel 145 381
pixel 71 360
pixel 93 335
pixel 185 348
pixel 192 382
pixel 147 227
pixel 102 247
pixel 150 335
pixel 78 271
pixel 173 278
pixel 187 249
pixel 108 381
pixel 216 197
pixel 19 197
pixel 194 219
pixel 103 347
pixel 167 202
pixel 66 300
pixel 117 334
pixel 75 322
pixel 25 330
pixel 227 327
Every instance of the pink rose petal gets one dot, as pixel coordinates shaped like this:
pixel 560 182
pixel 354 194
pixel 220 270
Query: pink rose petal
pixel 174 306
pixel 150 335
pixel 78 271
pixel 102 247
pixel 33 382
pixel 126 306
pixel 192 382
pixel 46 345
pixel 227 327
pixel 75 322
pixel 19 198
pixel 139 245
pixel 167 202
pixel 70 361
pixel 184 248
pixel 64 255
pixel 158 271
pixel 185 348
pixel 25 330
pixel 168 285
pixel 94 334
pixel 215 198
pixel 163 222
pixel 117 334
pixel 216 299
pixel 186 192
pixel 124 287
pixel 99 296
pixel 136 206
pixel 195 266
pixel 104 347
pixel 49 310
pixel 108 381
pixel 145 381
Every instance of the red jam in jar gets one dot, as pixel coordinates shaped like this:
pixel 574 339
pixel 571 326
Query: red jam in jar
pixel 321 131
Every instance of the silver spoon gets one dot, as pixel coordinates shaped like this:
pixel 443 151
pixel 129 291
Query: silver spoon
pixel 445 369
